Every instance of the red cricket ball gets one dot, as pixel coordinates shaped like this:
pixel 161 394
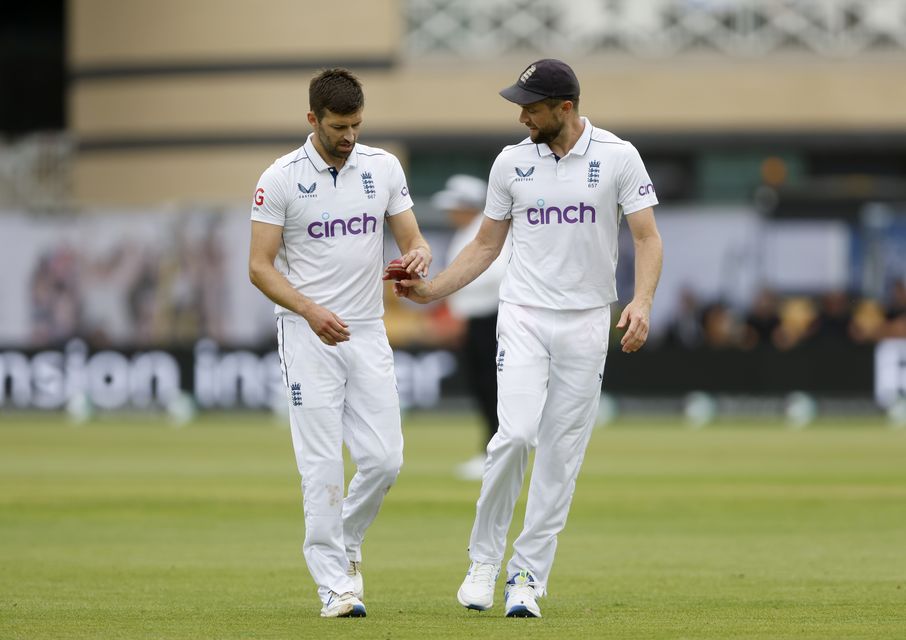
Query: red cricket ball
pixel 396 271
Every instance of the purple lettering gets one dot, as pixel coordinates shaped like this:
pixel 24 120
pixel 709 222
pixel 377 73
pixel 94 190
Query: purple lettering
pixel 334 225
pixel 562 215
pixel 355 225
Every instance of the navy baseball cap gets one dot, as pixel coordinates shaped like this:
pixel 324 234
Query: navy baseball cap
pixel 547 78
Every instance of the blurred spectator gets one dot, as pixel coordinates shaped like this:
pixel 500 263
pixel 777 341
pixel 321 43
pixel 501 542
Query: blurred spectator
pixel 721 327
pixel 55 303
pixel 868 322
pixel 686 329
pixel 463 200
pixel 213 284
pixel 896 312
pixel 762 320
pixel 142 298
pixel 797 322
pixel 104 284
pixel 833 320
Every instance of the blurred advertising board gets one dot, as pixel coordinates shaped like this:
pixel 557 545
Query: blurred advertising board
pixel 215 377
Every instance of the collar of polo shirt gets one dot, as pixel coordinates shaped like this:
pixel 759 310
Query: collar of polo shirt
pixel 579 149
pixel 320 164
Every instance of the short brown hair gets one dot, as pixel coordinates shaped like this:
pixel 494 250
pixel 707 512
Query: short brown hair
pixel 555 102
pixel 336 90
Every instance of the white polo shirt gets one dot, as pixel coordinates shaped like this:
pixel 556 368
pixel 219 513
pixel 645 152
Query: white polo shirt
pixel 565 217
pixel 333 225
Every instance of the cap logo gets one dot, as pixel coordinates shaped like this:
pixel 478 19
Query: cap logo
pixel 527 74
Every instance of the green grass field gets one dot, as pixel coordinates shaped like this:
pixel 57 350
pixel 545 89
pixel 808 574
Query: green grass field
pixel 133 529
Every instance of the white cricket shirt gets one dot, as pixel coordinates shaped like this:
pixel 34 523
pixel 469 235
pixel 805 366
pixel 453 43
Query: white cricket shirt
pixel 565 217
pixel 333 225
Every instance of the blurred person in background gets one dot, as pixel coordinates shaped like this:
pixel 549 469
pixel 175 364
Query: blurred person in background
pixel 834 318
pixel 721 328
pixel 463 199
pixel 797 322
pixel 868 322
pixel 896 311
pixel 762 320
pixel 685 330
pixel 319 212
pixel 104 284
pixel 564 191
pixel 56 307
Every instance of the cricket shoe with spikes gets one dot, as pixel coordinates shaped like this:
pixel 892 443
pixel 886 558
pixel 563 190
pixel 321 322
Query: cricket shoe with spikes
pixel 519 595
pixel 343 605
pixel 477 590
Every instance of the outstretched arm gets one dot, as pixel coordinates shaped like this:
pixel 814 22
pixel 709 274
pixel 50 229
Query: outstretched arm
pixel 266 239
pixel 649 256
pixel 468 265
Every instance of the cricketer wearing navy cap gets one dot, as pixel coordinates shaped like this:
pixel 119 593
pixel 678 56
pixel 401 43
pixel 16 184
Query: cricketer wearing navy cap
pixel 547 78
pixel 562 193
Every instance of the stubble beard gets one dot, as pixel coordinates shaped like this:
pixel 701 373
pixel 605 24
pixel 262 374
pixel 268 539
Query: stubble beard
pixel 333 150
pixel 546 136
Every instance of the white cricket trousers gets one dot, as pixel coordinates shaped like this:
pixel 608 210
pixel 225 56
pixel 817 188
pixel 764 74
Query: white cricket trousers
pixel 341 394
pixel 550 364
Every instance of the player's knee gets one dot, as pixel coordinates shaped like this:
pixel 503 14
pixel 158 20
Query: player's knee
pixel 388 468
pixel 516 441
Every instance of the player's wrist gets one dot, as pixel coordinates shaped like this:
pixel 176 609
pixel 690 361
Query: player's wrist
pixel 305 308
pixel 434 291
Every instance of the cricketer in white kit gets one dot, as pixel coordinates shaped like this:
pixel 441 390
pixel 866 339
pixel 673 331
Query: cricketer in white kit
pixel 317 252
pixel 564 191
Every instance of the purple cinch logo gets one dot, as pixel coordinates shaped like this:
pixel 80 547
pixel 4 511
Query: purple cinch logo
pixel 570 214
pixel 356 225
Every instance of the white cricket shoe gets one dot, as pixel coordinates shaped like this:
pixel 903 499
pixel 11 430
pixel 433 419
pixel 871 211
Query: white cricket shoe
pixel 519 595
pixel 354 571
pixel 477 590
pixel 471 469
pixel 343 605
